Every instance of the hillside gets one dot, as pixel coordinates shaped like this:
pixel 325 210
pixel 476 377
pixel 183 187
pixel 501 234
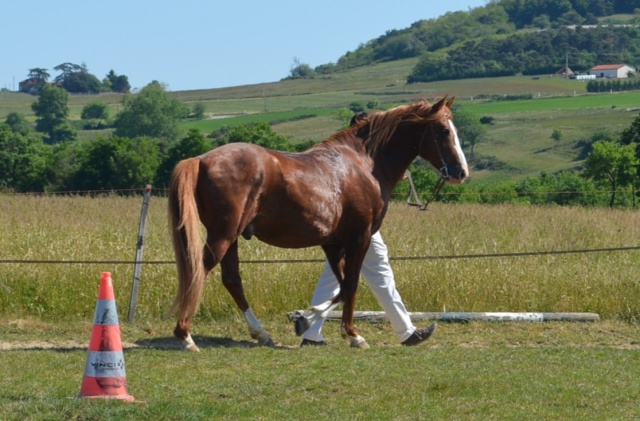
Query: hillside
pixel 506 38
pixel 517 145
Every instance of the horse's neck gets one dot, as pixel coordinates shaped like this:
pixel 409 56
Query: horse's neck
pixel 390 167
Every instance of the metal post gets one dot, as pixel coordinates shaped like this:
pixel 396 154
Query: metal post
pixel 135 286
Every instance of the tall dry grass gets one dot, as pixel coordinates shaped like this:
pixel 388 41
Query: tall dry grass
pixel 104 229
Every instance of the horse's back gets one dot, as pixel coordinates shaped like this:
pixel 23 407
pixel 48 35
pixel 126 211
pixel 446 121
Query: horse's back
pixel 286 199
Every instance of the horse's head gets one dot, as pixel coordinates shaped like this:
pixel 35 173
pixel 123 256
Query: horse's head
pixel 439 143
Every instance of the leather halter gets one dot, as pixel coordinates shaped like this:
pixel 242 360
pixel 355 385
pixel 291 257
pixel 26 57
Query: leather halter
pixel 444 176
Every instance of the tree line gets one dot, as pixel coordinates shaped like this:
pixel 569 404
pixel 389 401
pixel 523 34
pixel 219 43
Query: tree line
pixel 146 143
pixel 542 52
pixel 74 78
pixel 613 85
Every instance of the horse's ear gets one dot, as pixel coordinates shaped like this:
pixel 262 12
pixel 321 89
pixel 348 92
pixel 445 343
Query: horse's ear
pixel 438 105
pixel 450 102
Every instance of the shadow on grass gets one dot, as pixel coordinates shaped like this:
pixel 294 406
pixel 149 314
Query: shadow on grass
pixel 170 343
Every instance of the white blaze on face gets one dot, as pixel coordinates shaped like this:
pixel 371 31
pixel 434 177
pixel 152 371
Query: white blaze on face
pixel 461 157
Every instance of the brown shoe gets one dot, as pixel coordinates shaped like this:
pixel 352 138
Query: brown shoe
pixel 309 342
pixel 420 335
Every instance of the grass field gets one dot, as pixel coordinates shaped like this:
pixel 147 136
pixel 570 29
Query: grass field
pixel 529 371
pixel 104 230
pixel 477 371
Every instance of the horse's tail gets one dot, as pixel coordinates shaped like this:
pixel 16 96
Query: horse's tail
pixel 184 223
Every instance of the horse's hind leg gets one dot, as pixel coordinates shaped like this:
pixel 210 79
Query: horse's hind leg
pixel 230 268
pixel 184 325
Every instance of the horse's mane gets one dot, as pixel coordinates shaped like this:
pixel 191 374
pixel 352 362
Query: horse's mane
pixel 380 126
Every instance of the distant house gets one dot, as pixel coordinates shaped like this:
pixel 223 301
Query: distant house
pixel 612 70
pixel 564 72
pixel 30 86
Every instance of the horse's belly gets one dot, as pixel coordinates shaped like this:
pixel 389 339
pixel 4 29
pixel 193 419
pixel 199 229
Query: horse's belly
pixel 288 243
pixel 287 236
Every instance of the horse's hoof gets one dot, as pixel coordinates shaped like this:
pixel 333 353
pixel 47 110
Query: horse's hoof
pixel 358 342
pixel 301 325
pixel 191 347
pixel 268 343
pixel 360 345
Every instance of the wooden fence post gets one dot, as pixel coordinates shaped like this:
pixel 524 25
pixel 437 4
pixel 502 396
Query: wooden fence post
pixel 142 227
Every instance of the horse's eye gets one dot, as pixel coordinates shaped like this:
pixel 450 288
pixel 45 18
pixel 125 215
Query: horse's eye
pixel 444 132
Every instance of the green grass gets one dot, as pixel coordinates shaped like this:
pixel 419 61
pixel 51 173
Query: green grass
pixel 104 230
pixel 528 371
pixel 473 372
pixel 564 104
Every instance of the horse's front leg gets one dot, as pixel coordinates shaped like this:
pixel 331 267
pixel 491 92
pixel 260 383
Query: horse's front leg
pixel 230 268
pixel 346 265
pixel 348 330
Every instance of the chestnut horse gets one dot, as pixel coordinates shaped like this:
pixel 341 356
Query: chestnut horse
pixel 334 195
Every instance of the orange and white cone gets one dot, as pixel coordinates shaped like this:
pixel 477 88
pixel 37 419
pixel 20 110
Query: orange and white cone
pixel 104 372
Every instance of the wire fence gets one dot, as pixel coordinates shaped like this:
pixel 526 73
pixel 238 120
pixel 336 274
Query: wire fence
pixel 163 192
pixel 271 261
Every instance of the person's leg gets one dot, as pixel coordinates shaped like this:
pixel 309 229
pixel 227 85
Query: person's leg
pixel 378 274
pixel 326 289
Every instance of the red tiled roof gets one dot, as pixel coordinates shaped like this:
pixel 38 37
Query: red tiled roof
pixel 608 66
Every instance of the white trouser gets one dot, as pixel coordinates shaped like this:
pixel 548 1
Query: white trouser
pixel 378 274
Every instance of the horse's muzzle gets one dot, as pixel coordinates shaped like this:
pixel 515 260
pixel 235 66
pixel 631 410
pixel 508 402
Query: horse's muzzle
pixel 457 175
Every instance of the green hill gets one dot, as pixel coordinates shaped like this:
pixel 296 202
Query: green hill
pixel 517 145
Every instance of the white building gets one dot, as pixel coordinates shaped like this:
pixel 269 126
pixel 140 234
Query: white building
pixel 612 70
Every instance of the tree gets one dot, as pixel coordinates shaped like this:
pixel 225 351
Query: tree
pixel 259 133
pixel 17 123
pixel 631 135
pixel 301 70
pixel 95 115
pixel 193 144
pixel 356 107
pixel 469 127
pixel 541 22
pixel 67 69
pixel 39 74
pixel 84 83
pixel 612 164
pixel 22 160
pixel 64 161
pixel 38 77
pixel 51 111
pixel 198 110
pixel 63 132
pixel 113 163
pixel 77 79
pixel 95 110
pixel 344 115
pixel 150 113
pixel 557 135
pixel 117 83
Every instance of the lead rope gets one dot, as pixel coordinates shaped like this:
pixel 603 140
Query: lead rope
pixel 416 201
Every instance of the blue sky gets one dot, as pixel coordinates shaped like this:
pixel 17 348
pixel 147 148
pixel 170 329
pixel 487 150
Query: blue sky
pixel 196 44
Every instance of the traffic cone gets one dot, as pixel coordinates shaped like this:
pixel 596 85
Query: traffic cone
pixel 104 372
